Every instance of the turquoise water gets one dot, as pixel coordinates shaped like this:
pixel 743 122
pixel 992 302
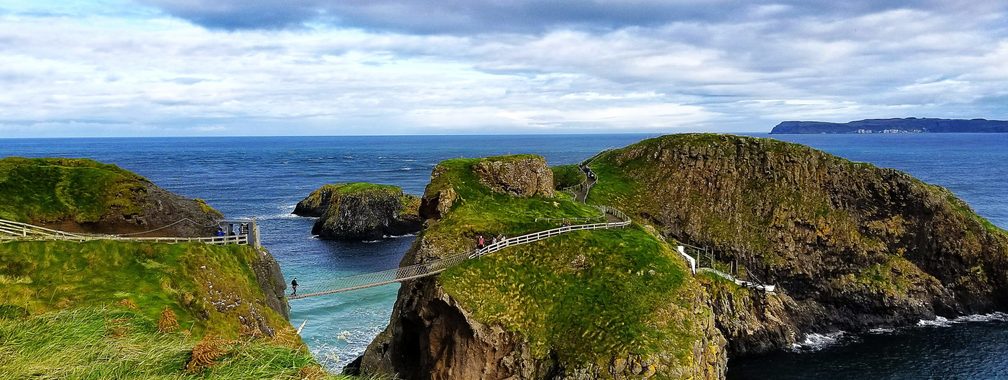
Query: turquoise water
pixel 265 177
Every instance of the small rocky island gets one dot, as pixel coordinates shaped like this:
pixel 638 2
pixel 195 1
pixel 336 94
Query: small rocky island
pixel 905 125
pixel 360 211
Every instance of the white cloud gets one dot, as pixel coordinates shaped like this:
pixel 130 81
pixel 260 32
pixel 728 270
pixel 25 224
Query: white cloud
pixel 142 72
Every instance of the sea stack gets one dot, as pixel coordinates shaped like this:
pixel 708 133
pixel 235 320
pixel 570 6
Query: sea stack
pixel 360 211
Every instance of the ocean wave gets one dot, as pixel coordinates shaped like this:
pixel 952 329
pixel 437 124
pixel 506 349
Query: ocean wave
pixel 974 318
pixel 286 212
pixel 398 236
pixel 816 341
pixel 881 330
pixel 405 169
pixel 937 322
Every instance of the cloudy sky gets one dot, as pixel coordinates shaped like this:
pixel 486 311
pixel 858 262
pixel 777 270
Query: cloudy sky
pixel 318 67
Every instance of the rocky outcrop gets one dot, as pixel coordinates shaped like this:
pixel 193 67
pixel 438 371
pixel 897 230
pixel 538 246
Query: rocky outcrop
pixel 852 246
pixel 81 195
pixel 359 211
pixel 436 332
pixel 271 281
pixel 521 176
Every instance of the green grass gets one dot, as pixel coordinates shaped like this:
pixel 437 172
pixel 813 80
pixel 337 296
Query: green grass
pixel 587 296
pixel 40 277
pixel 91 310
pixel 51 189
pixel 566 176
pixel 118 343
pixel 480 211
pixel 314 200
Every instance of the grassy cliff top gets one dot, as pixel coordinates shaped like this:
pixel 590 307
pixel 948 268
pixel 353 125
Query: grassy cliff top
pixel 314 204
pixel 479 210
pixel 788 210
pixel 50 189
pixel 97 309
pixel 586 297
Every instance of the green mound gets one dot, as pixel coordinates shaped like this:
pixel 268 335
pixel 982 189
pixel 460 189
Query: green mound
pixel 479 210
pixel 315 203
pixel 584 298
pixel 49 189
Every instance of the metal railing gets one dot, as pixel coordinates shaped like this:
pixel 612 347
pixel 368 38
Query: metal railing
pixel 368 280
pixel 11 230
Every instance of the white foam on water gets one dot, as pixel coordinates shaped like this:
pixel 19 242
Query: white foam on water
pixel 398 236
pixel 881 330
pixel 974 318
pixel 937 322
pixel 816 341
pixel 991 317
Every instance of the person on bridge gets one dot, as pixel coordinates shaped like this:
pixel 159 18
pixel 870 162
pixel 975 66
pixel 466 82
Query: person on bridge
pixel 294 286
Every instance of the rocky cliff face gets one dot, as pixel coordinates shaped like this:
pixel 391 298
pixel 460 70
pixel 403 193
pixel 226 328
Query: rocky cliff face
pixel 853 246
pixel 521 176
pixel 359 211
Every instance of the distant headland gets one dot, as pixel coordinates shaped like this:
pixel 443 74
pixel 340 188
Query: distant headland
pixel 906 125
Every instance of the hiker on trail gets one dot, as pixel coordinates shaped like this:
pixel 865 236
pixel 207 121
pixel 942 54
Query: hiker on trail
pixel 220 231
pixel 480 243
pixel 294 286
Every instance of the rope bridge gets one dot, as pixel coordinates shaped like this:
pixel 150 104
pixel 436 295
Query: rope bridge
pixel 11 230
pixel 368 280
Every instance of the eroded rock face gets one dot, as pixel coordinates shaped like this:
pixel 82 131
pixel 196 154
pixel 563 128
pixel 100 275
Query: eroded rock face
pixel 271 280
pixel 361 212
pixel 522 176
pixel 852 246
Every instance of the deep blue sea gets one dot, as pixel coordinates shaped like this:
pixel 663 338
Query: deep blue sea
pixel 264 177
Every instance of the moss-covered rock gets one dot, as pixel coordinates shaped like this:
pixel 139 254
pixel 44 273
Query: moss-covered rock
pixel 361 211
pixel 81 195
pixel 852 246
pixel 521 175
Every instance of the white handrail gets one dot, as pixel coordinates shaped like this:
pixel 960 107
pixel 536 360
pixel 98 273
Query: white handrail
pixel 368 280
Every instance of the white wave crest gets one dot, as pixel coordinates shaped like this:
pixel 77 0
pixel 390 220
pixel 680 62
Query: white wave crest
pixel 816 342
pixel 937 322
pixel 974 318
